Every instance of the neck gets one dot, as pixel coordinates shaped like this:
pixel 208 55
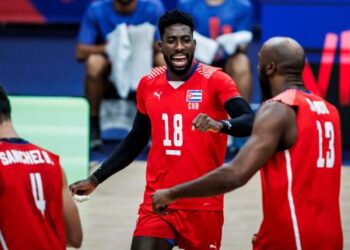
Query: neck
pixel 124 9
pixel 7 130
pixel 172 76
pixel 294 82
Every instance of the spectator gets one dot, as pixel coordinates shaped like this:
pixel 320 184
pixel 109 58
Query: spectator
pixel 223 31
pixel 102 29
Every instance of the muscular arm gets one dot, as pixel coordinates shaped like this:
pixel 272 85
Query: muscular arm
pixel 74 234
pixel 83 50
pixel 127 150
pixel 274 126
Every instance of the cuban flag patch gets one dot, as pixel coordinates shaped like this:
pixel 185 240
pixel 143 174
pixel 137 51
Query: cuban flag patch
pixel 194 96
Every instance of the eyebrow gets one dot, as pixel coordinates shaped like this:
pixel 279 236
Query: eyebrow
pixel 174 36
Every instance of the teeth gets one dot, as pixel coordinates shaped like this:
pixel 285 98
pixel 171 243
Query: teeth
pixel 179 57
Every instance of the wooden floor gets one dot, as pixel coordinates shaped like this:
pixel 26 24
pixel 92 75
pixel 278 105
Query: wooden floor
pixel 109 217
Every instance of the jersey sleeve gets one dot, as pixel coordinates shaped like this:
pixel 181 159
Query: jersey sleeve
pixel 140 99
pixel 287 97
pixel 185 6
pixel 88 32
pixel 224 87
pixel 245 21
pixel 158 10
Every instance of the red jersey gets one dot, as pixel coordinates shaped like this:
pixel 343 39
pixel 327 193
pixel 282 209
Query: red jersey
pixel 31 205
pixel 301 185
pixel 178 153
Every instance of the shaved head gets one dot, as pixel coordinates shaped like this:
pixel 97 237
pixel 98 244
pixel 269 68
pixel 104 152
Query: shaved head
pixel 283 57
pixel 286 52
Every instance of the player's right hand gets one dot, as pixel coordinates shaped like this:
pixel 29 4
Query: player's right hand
pixel 84 187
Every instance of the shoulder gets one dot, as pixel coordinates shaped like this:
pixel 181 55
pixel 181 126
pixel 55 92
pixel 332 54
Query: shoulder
pixel 288 97
pixel 243 4
pixel 209 72
pixel 156 72
pixel 97 5
pixel 150 78
pixel 275 112
pixel 98 9
pixel 152 4
pixel 186 2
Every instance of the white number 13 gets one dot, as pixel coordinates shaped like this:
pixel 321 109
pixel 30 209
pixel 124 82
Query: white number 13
pixel 328 134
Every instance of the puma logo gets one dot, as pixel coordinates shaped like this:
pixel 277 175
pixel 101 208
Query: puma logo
pixel 157 94
pixel 212 246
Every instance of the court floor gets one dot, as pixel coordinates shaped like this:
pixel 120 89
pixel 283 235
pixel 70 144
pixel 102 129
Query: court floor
pixel 109 217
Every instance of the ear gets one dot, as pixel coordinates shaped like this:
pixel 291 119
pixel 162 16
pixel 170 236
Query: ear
pixel 271 68
pixel 160 46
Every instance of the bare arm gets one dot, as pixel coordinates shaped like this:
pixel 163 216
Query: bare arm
pixel 83 51
pixel 74 234
pixel 274 125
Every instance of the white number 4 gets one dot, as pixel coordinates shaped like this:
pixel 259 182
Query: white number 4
pixel 328 134
pixel 38 191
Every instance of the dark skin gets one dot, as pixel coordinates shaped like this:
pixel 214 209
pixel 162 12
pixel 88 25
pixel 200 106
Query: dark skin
pixel 178 46
pixel 281 61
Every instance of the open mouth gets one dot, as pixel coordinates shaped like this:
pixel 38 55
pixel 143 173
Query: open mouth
pixel 179 61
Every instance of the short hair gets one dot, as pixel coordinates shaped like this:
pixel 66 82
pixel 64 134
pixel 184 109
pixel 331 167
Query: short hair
pixel 174 17
pixel 5 107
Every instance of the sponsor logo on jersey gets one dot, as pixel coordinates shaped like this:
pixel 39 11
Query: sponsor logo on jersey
pixel 158 94
pixel 194 96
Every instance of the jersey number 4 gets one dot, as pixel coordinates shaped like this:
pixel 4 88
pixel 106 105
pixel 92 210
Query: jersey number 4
pixel 38 191
pixel 325 132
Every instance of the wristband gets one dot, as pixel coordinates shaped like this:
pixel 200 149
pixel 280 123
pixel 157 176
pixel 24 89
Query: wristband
pixel 226 125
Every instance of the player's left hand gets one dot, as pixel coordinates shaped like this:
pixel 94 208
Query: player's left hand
pixel 161 199
pixel 205 123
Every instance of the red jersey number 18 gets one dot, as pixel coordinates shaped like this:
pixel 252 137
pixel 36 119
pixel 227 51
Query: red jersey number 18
pixel 177 137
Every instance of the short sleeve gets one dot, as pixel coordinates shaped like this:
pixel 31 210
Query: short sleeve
pixel 88 32
pixel 224 87
pixel 140 99
pixel 159 10
pixel 152 11
pixel 245 21
pixel 185 6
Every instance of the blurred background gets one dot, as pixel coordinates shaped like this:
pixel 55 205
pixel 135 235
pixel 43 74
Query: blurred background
pixel 37 61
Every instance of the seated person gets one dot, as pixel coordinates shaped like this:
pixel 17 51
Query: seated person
pixel 223 31
pixel 104 41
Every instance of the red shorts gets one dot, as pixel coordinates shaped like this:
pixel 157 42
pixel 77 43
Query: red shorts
pixel 191 229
